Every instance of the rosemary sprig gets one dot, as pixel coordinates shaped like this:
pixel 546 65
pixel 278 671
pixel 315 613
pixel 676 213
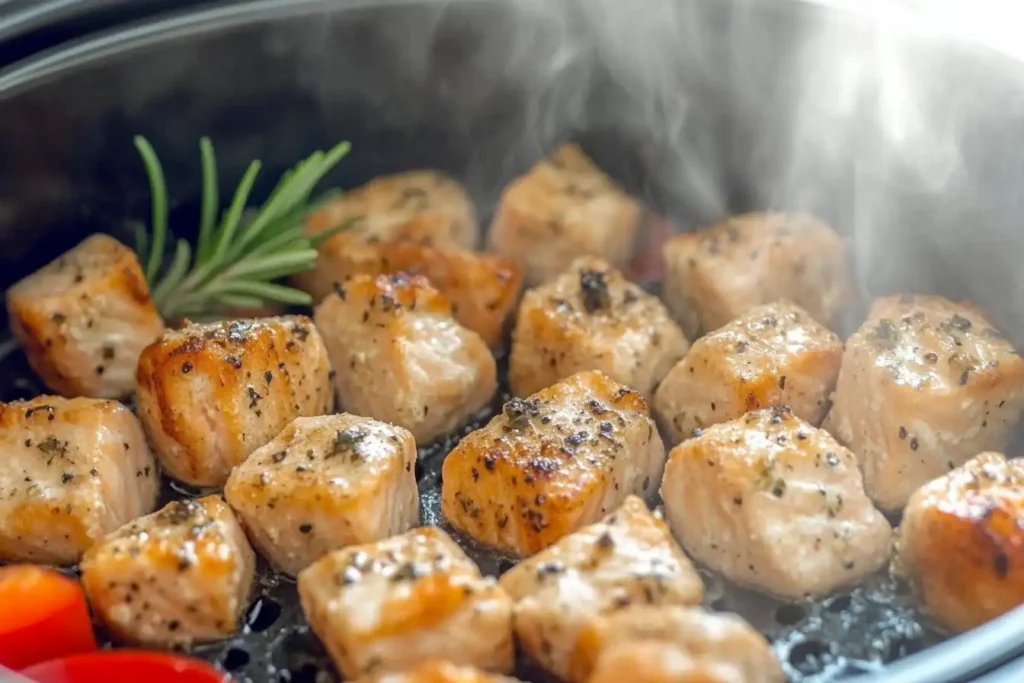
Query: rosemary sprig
pixel 235 261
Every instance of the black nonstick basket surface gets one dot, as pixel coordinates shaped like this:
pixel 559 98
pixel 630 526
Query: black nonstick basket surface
pixel 481 89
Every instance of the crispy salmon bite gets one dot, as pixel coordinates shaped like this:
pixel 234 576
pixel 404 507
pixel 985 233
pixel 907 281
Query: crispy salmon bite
pixel 961 542
pixel 325 483
pixel 563 593
pixel 71 471
pixel 387 606
pixel 715 275
pixel 773 503
pixel 426 207
pixel 84 318
pixel 563 208
pixel 551 464
pixel 211 394
pixel 774 354
pixel 179 576
pixel 925 384
pixel 401 356
pixel 592 318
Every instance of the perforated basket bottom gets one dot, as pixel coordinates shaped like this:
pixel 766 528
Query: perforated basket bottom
pixel 817 641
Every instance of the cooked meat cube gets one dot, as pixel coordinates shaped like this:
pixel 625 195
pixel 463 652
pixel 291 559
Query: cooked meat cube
pixel 71 471
pixel 676 644
pixel 181 575
pixel 209 395
pixel 961 542
pixel 562 593
pixel 420 206
pixel 438 671
pixel 776 504
pixel 592 318
pixel 84 318
pixel 774 354
pixel 393 604
pixel 717 274
pixel 564 207
pixel 325 483
pixel 925 384
pixel 552 463
pixel 402 358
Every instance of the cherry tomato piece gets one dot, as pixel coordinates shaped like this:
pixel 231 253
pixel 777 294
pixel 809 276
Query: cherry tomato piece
pixel 43 614
pixel 125 666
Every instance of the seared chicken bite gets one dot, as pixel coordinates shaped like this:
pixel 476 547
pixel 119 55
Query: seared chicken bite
pixel 181 575
pixel 551 464
pixel 325 483
pixel 775 504
pixel 419 206
pixel 84 318
pixel 209 395
pixel 393 604
pixel 676 645
pixel 71 471
pixel 401 357
pixel 563 592
pixel 925 385
pixel 716 275
pixel 774 354
pixel 438 671
pixel 961 542
pixel 564 207
pixel 592 318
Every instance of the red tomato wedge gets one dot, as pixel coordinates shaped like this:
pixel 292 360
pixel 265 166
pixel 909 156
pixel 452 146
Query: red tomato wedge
pixel 124 666
pixel 43 614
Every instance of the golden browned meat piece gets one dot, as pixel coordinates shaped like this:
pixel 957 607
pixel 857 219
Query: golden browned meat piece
pixel 717 274
pixel 592 318
pixel 961 542
pixel 391 605
pixel 419 206
pixel 438 671
pixel 562 593
pixel 925 384
pixel 325 483
pixel 564 207
pixel 84 318
pixel 678 645
pixel 774 354
pixel 209 395
pixel 402 358
pixel 551 464
pixel 775 504
pixel 71 471
pixel 179 576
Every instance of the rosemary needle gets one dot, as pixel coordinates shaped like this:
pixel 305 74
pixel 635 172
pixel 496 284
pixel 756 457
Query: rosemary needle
pixel 238 254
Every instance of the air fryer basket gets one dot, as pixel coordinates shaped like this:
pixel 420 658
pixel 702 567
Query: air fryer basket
pixel 732 121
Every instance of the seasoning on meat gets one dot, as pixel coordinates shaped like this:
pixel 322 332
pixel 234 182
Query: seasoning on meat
pixel 438 671
pixel 325 483
pixel 592 318
pixel 402 358
pixel 715 275
pixel 562 593
pixel 671 644
pixel 246 380
pixel 84 318
pixel 925 382
pixel 961 542
pixel 564 207
pixel 774 354
pixel 179 576
pixel 424 207
pixel 774 503
pixel 72 471
pixel 394 604
pixel 546 467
